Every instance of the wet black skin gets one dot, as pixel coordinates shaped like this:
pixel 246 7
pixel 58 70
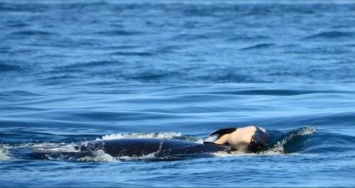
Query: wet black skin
pixel 134 147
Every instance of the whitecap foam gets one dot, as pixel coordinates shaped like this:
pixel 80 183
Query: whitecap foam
pixel 230 153
pixel 49 147
pixel 4 155
pixel 241 154
pixel 132 158
pixel 306 130
pixel 200 141
pixel 97 156
pixel 101 156
pixel 277 149
pixel 165 135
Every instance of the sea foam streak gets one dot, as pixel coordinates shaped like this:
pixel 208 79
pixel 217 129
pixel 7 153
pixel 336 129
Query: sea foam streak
pixel 97 156
pixel 101 156
pixel 46 147
pixel 164 135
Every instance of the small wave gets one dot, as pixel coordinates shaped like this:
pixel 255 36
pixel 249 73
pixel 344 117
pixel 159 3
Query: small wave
pixel 119 33
pixel 96 63
pixel 53 80
pixel 17 24
pixel 90 64
pixel 19 93
pixel 259 46
pixel 273 92
pixel 19 7
pixel 291 142
pixel 248 38
pixel 141 54
pixel 165 135
pixel 194 37
pixel 6 68
pixel 332 35
pixel 33 33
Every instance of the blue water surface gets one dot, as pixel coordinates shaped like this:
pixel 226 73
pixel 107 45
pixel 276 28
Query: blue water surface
pixel 75 71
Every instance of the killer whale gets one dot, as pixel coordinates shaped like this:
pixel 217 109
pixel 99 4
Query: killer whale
pixel 160 148
pixel 246 139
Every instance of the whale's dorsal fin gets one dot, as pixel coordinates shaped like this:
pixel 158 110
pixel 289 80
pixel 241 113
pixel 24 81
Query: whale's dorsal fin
pixel 217 134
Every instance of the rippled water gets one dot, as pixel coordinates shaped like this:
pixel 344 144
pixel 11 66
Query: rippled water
pixel 75 71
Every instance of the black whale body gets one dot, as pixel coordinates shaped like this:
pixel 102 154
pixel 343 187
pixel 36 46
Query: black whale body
pixel 133 147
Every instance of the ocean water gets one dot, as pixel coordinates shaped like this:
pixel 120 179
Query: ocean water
pixel 76 71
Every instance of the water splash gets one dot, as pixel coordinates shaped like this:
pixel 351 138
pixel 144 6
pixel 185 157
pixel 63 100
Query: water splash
pixel 4 154
pixel 102 156
pixel 164 135
pixel 97 156
pixel 52 147
pixel 231 154
pixel 291 142
pixel 143 157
